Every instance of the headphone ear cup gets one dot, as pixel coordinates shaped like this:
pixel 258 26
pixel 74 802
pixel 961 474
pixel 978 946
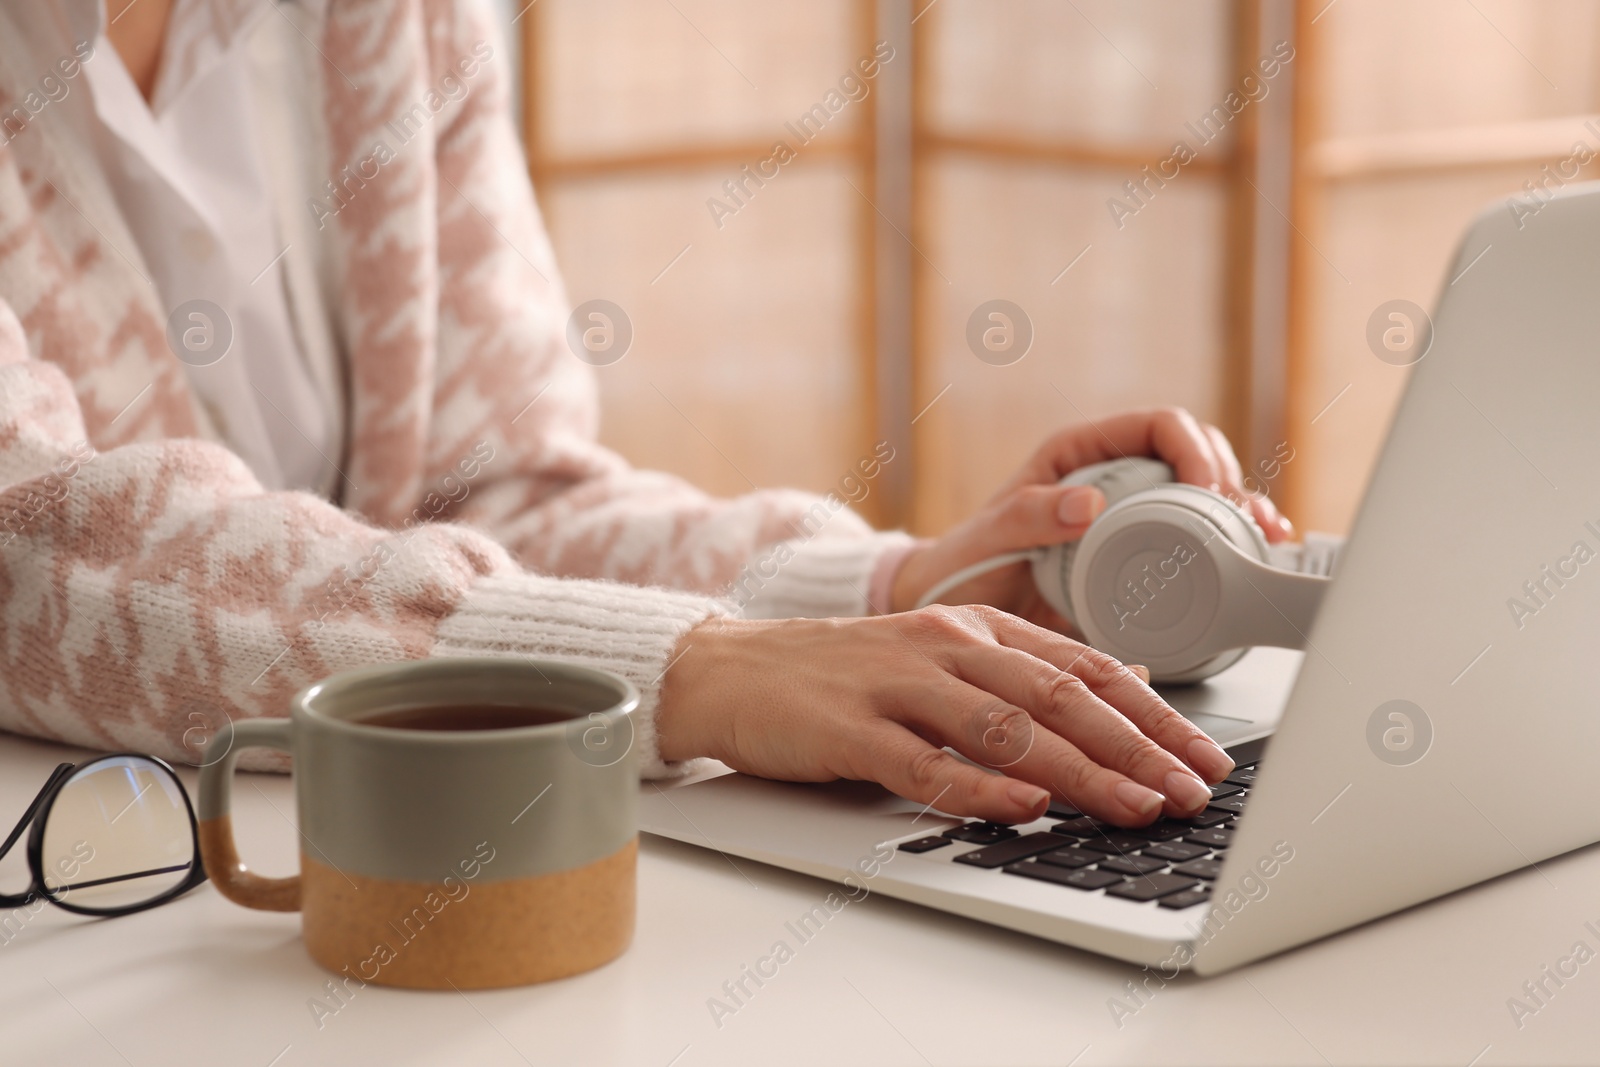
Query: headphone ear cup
pixel 1149 586
pixel 1052 576
pixel 1117 479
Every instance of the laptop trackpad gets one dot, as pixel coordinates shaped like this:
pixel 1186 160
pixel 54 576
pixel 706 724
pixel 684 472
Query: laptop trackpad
pixel 833 823
pixel 1243 701
pixel 1223 729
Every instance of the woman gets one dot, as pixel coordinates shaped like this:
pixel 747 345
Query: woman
pixel 382 449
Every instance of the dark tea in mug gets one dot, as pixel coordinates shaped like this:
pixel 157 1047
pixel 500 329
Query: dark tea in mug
pixel 463 717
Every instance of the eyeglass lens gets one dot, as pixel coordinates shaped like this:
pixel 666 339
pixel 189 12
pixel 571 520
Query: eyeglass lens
pixel 118 834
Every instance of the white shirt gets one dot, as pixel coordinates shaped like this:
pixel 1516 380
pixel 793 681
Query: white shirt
pixel 190 173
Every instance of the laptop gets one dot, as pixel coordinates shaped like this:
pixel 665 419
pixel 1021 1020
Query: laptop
pixel 1439 729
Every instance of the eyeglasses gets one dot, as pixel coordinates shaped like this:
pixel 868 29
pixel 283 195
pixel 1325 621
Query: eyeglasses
pixel 111 836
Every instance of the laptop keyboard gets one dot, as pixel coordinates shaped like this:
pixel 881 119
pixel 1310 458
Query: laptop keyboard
pixel 1172 861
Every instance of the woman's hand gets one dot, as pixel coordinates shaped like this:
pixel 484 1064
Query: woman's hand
pixel 878 698
pixel 1032 509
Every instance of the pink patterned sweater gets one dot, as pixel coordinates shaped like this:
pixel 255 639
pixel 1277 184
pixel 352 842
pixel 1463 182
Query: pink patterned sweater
pixel 149 584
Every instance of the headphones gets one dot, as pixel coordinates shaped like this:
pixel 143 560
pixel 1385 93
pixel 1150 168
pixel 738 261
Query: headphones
pixel 1170 575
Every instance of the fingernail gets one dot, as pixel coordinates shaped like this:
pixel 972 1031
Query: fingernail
pixel 1080 505
pixel 1190 792
pixel 1029 796
pixel 1208 759
pixel 1137 797
pixel 1286 526
pixel 1141 670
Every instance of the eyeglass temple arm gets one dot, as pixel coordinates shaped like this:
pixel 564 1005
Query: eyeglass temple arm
pixel 72 887
pixel 61 771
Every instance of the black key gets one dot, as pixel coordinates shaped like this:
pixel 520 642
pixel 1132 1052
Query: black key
pixel 1080 827
pixel 1150 887
pixel 1217 838
pixel 975 824
pixel 1209 818
pixel 1175 851
pixel 981 833
pixel 1234 804
pixel 925 844
pixel 1162 830
pixel 1060 809
pixel 1011 851
pixel 1243 775
pixel 1188 898
pixel 1207 869
pixel 1115 841
pixel 1225 789
pixel 1080 879
pixel 1071 857
pixel 1132 864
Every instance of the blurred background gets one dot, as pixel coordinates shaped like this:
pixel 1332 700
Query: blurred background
pixel 827 305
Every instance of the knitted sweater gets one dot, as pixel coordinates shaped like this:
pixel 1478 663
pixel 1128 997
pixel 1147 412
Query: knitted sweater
pixel 149 585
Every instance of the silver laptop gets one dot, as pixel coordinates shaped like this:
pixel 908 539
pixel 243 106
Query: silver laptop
pixel 1440 729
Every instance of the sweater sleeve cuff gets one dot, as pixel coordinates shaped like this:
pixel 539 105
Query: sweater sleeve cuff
pixel 823 578
pixel 627 630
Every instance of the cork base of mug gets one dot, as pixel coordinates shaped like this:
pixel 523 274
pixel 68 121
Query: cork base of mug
pixel 470 935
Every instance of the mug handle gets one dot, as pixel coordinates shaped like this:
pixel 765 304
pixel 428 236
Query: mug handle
pixel 217 849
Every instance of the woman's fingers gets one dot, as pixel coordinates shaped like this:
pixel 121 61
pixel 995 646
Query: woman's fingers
pixel 987 729
pixel 1037 515
pixel 1198 454
pixel 1172 434
pixel 1181 439
pixel 1232 475
pixel 923 772
pixel 1123 690
pixel 1265 512
pixel 1272 523
pixel 1061 705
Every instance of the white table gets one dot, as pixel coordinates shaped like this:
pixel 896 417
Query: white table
pixel 201 981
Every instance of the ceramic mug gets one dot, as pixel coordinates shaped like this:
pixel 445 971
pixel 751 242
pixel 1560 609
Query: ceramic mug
pixel 433 858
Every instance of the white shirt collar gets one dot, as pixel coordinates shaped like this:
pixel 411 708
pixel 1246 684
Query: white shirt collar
pixel 199 33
